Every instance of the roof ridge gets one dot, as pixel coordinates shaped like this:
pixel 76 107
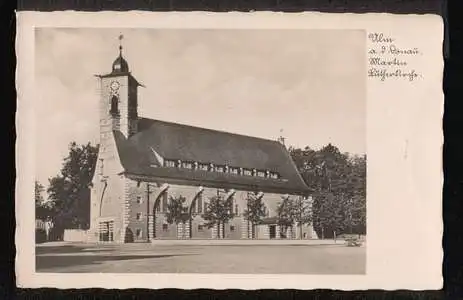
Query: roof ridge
pixel 210 129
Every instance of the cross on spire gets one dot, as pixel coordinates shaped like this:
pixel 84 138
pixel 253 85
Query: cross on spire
pixel 281 139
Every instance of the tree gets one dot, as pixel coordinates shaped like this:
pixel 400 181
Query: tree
pixel 339 190
pixel 38 194
pixel 254 212
pixel 69 191
pixel 285 214
pixel 42 209
pixel 302 212
pixel 218 212
pixel 294 210
pixel 177 212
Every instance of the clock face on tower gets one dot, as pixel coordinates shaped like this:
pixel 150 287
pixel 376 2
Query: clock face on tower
pixel 115 86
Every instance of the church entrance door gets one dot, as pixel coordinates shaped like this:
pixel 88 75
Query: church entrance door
pixel 272 231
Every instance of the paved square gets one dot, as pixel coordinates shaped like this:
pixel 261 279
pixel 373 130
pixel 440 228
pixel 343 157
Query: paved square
pixel 165 258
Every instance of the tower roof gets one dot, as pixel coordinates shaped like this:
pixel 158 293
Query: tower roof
pixel 120 65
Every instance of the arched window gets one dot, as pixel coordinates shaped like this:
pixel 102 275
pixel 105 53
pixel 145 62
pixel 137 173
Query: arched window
pixel 114 105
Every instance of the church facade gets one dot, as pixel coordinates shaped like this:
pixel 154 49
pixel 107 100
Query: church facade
pixel 143 162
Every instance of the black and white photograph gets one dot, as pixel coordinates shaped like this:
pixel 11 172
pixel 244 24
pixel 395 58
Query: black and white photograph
pixel 200 151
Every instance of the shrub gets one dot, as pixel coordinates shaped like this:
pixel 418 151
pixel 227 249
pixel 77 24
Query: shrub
pixel 353 242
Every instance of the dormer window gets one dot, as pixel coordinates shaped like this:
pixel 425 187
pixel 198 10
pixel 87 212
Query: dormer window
pixel 187 165
pixel 114 105
pixel 169 163
pixel 247 172
pixel 274 175
pixel 233 170
pixel 203 167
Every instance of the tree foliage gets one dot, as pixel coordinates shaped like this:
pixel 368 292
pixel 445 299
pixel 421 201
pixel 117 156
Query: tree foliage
pixel 339 184
pixel 177 212
pixel 296 210
pixel 255 211
pixel 219 210
pixel 69 191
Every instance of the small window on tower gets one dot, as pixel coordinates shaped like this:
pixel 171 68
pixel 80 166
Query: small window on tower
pixel 114 105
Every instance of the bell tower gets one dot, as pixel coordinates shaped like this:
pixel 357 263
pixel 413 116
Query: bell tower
pixel 118 99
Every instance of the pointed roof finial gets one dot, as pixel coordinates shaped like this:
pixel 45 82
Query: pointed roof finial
pixel 120 44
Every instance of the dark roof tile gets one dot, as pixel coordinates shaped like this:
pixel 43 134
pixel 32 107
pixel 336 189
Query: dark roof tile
pixel 188 143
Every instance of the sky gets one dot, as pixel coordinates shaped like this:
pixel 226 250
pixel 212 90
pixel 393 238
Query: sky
pixel 307 85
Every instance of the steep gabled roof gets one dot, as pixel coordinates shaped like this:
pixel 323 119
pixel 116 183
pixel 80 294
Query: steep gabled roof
pixel 188 143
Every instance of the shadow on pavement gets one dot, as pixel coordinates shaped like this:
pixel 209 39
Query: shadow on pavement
pixel 67 249
pixel 46 262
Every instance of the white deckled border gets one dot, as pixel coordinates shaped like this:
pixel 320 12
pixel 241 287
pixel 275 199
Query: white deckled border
pixel 404 141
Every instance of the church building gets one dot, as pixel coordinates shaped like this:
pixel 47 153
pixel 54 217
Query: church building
pixel 143 162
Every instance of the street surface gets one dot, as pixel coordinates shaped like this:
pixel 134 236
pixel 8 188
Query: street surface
pixel 295 258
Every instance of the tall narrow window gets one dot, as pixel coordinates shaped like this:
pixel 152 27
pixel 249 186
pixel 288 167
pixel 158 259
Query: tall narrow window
pixel 164 202
pixel 199 203
pixel 114 105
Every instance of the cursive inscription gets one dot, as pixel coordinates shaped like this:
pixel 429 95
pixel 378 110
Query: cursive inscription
pixel 388 60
